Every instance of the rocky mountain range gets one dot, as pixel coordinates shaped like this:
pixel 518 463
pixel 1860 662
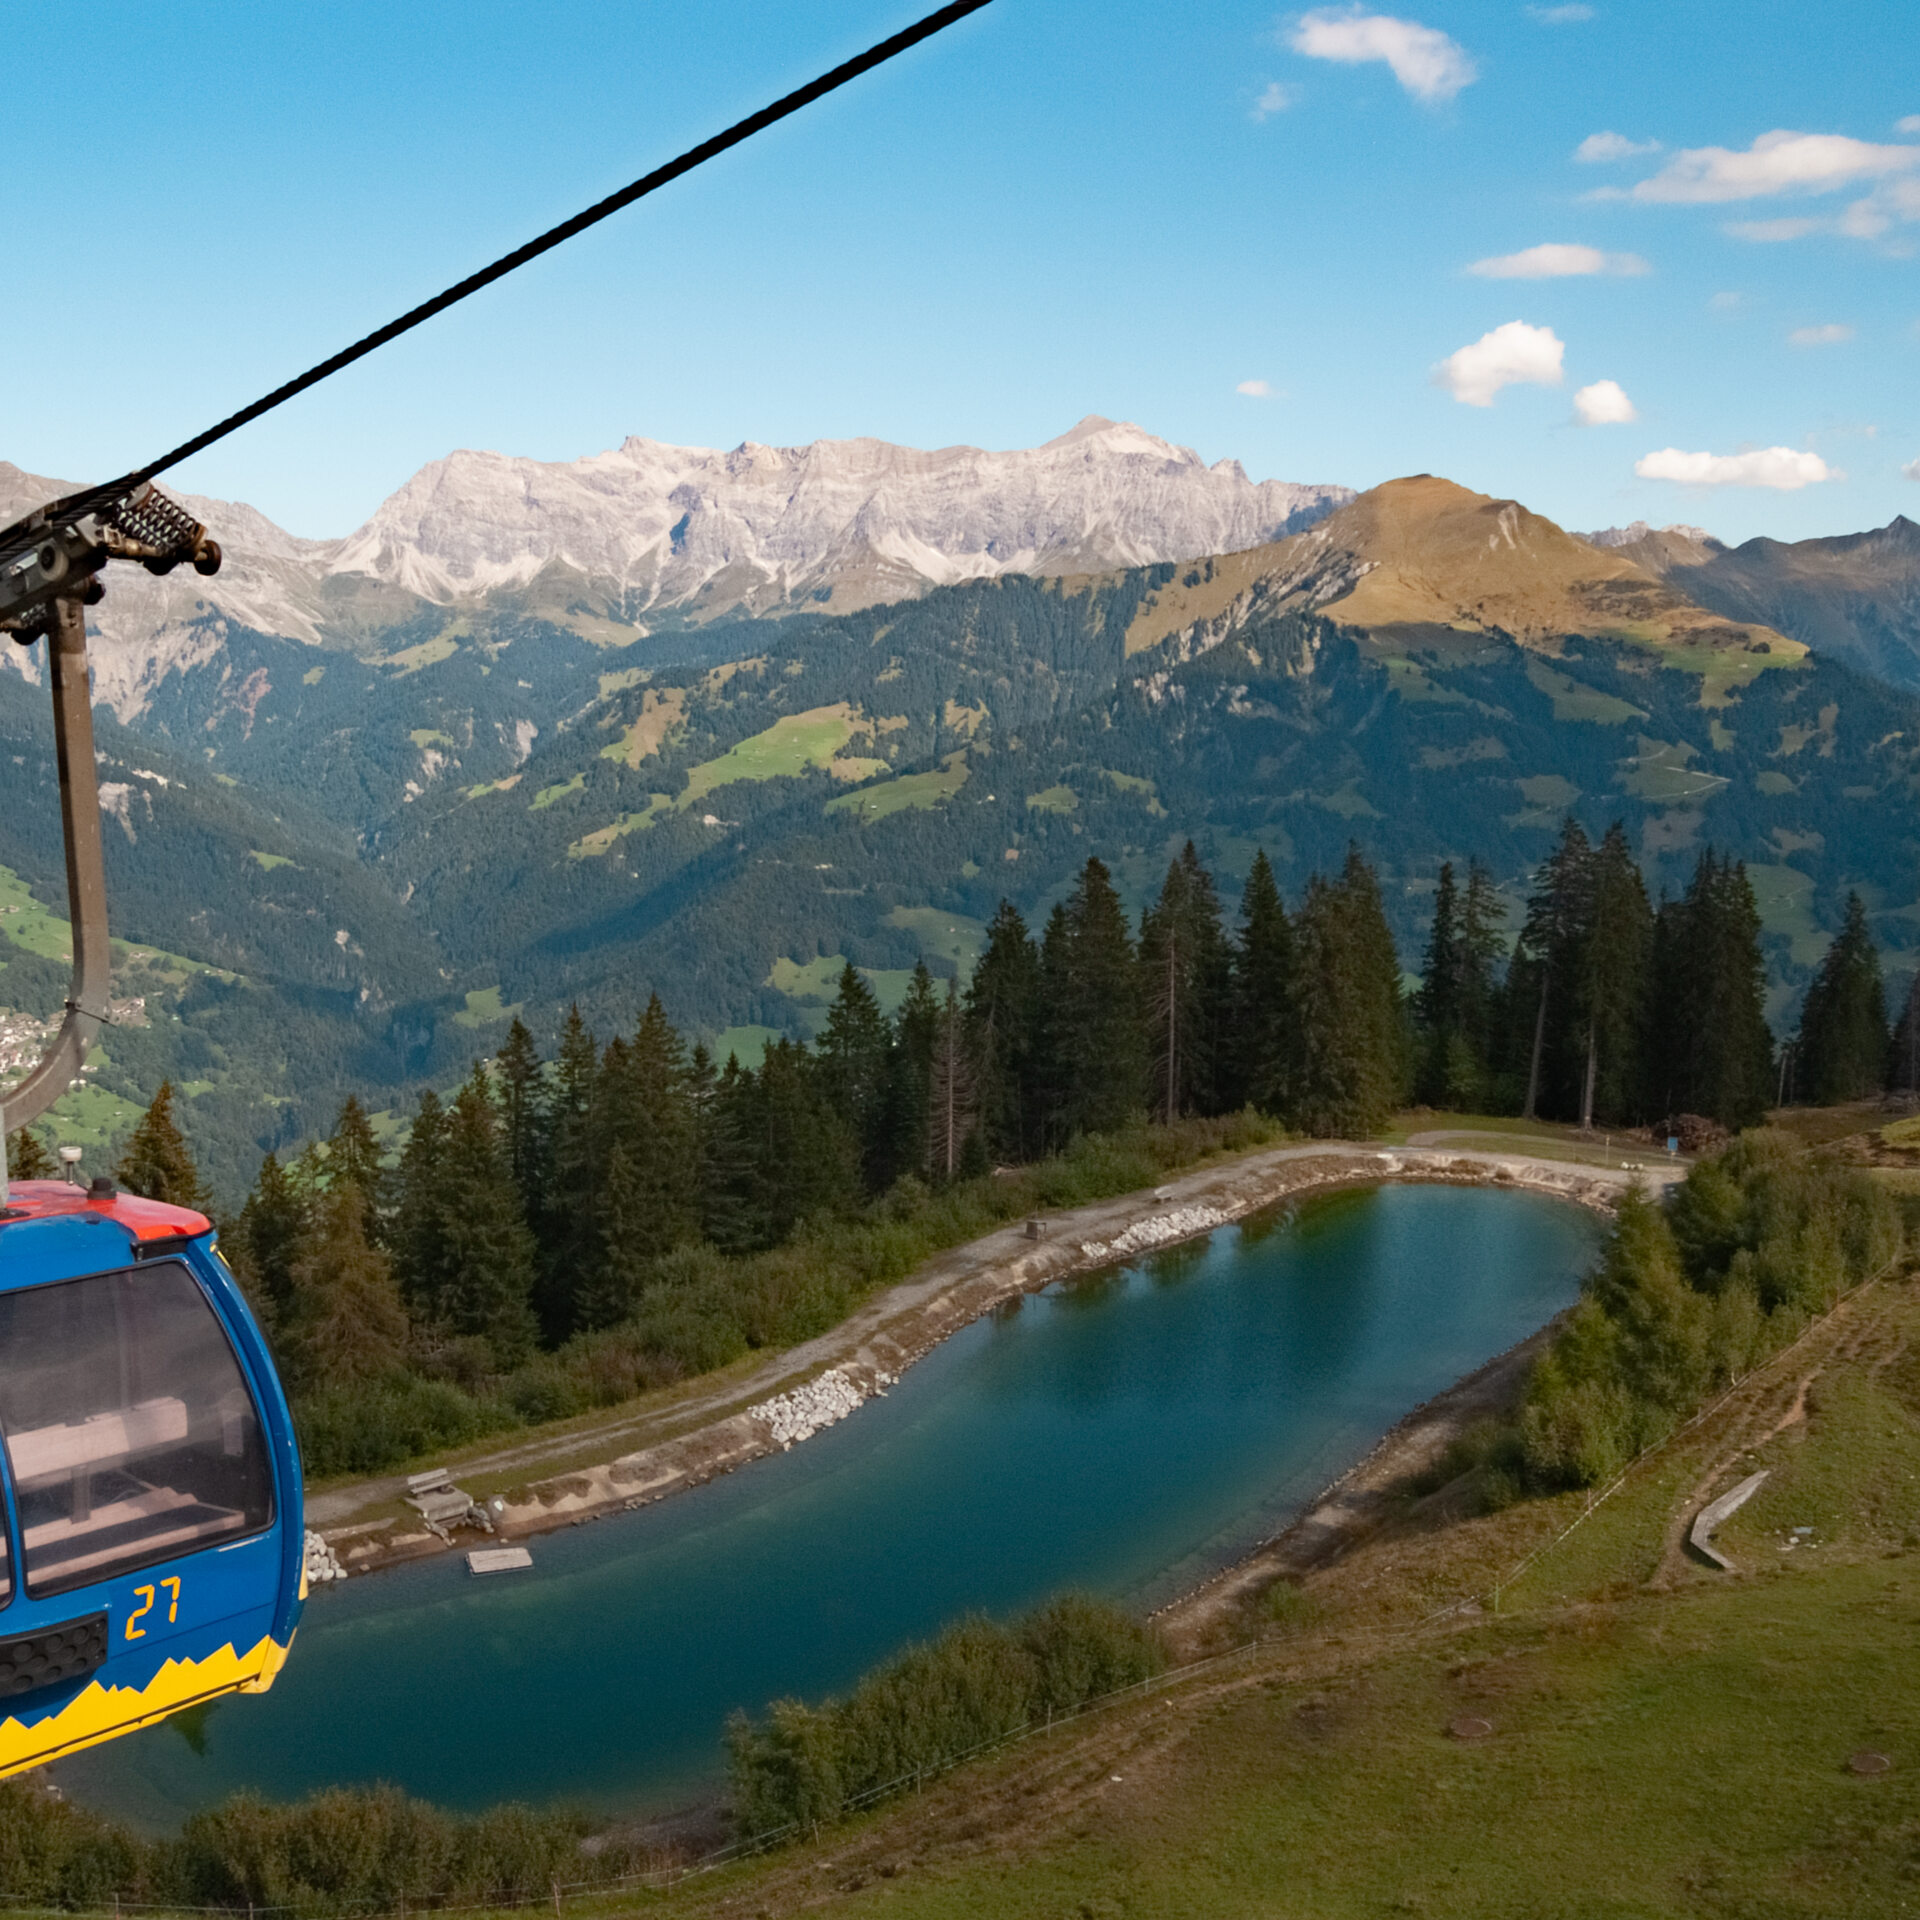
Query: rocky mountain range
pixel 621 544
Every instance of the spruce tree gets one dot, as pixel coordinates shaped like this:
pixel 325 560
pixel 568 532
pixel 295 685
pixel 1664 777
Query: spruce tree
pixel 156 1163
pixel 1266 1021
pixel 951 1117
pixel 733 1215
pixel 608 1295
pixel 1185 980
pixel 419 1240
pixel 345 1321
pixel 1843 1026
pixel 1609 984
pixel 1712 1053
pixel 563 1220
pixel 855 1054
pixel 1903 1057
pixel 272 1232
pixel 807 1160
pixel 1095 1025
pixel 521 1087
pixel 1543 1038
pixel 1002 1006
pixel 354 1157
pixel 1448 1073
pixel 916 1034
pixel 1353 1069
pixel 27 1159
pixel 646 1111
pixel 484 1285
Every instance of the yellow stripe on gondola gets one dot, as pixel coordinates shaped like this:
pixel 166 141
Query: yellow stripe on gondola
pixel 101 1713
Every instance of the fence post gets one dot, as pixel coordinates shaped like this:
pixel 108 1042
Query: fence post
pixel 556 1900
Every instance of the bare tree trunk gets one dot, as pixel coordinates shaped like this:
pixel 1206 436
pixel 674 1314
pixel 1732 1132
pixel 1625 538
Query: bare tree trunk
pixel 1586 1092
pixel 1539 1042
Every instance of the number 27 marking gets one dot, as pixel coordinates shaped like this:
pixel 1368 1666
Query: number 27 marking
pixel 137 1632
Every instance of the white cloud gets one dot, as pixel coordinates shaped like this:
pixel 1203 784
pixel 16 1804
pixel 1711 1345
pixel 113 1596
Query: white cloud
pixel 1831 335
pixel 1556 261
pixel 1513 355
pixel 1782 468
pixel 1277 98
pixel 1604 404
pixel 1777 162
pixel 1912 469
pixel 1769 231
pixel 1424 60
pixel 1599 147
pixel 1255 389
pixel 1911 124
pixel 1726 302
pixel 1568 15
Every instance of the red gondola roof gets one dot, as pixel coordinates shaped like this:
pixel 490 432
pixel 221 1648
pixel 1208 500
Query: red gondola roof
pixel 144 1219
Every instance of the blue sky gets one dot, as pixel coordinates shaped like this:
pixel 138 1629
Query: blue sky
pixel 1058 208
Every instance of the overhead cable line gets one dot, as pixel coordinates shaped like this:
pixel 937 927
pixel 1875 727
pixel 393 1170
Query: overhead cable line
pixel 875 56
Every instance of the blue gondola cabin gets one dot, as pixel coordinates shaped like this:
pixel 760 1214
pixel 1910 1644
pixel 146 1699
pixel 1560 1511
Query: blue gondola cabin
pixel 151 1541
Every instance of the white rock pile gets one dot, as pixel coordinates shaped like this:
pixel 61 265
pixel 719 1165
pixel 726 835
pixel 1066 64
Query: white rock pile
pixel 797 1415
pixel 322 1563
pixel 1155 1231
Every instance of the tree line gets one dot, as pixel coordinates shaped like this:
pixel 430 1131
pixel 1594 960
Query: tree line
pixel 562 1232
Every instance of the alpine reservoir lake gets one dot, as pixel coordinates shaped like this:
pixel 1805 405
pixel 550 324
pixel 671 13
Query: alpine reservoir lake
pixel 1127 1433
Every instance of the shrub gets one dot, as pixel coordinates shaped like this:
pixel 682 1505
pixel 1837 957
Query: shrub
pixel 377 1424
pixel 1757 1239
pixel 805 1766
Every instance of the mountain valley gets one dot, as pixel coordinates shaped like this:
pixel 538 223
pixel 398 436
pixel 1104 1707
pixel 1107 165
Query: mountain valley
pixel 368 846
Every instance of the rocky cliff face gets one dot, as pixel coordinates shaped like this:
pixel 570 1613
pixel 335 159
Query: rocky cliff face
pixel 650 535
pixel 656 531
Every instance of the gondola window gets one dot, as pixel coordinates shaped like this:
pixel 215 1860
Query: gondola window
pixel 129 1428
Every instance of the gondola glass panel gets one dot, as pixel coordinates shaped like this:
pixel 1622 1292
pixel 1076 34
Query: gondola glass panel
pixel 129 1427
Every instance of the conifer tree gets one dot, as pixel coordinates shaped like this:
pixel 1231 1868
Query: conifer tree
pixel 732 1215
pixel 345 1322
pixel 1843 1026
pixel 156 1163
pixel 484 1282
pixel 916 1034
pixel 1903 1057
pixel 951 1120
pixel 807 1160
pixel 1265 1051
pixel 854 1056
pixel 606 1296
pixel 1540 976
pixel 1185 980
pixel 521 1086
pixel 419 1241
pixel 1001 1010
pixel 272 1232
pixel 1094 1023
pixel 647 1116
pixel 354 1157
pixel 27 1159
pixel 1712 1052
pixel 563 1220
pixel 1609 983
pixel 1448 1074
pixel 1353 1067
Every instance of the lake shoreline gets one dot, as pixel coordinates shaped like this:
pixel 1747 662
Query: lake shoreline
pixel 808 1387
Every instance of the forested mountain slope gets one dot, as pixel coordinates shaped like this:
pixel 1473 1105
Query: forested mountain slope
pixel 511 817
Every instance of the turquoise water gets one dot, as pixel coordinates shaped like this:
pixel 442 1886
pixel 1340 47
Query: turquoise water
pixel 1126 1433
